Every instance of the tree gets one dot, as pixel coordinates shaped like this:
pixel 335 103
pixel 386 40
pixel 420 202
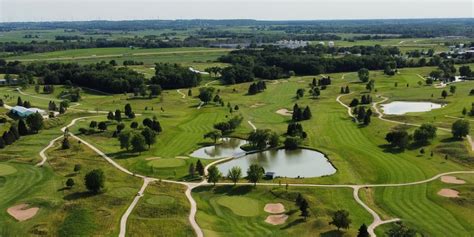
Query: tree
pixel 315 92
pixel 398 138
pixel 363 74
pixel 138 143
pixel 35 122
pixel 120 127
pixel 134 125
pixel 124 139
pixel 206 94
pixel 460 129
pixel 65 143
pixel 340 219
pixel 93 124
pixel 400 230
pixel 214 135
pixel 274 140
pixel 77 167
pixel 199 168
pixel 291 143
pixel 102 126
pixel 235 173
pixel 452 89
pixel 363 231
pixel 254 173
pixel 191 170
pixel 110 116
pixel 303 205
pixel 94 180
pixel 307 113
pixel 213 175
pixel 149 135
pixel 444 94
pixel 465 71
pixel 70 182
pixel 2 143
pixel 118 115
pixel 19 102
pixel 259 138
pixel 299 93
pixel 128 110
pixel 155 90
pixel 424 133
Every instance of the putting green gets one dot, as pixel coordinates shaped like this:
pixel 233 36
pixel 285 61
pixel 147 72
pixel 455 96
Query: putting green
pixel 242 206
pixel 161 200
pixel 6 170
pixel 167 163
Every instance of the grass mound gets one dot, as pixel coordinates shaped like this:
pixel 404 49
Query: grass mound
pixel 161 200
pixel 6 170
pixel 242 206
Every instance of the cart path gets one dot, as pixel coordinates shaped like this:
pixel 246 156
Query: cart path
pixel 181 93
pixel 192 215
pixel 252 125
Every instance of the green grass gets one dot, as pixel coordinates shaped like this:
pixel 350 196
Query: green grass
pixel 218 220
pixel 162 211
pixel 241 206
pixel 7 170
pixel 166 163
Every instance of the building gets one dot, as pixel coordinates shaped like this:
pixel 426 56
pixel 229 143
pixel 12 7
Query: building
pixel 331 44
pixel 21 111
pixel 270 175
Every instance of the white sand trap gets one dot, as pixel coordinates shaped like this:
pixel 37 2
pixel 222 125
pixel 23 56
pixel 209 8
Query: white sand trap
pixel 284 112
pixel 152 158
pixel 276 219
pixel 447 192
pixel 182 157
pixel 256 105
pixel 451 180
pixel 22 213
pixel 274 208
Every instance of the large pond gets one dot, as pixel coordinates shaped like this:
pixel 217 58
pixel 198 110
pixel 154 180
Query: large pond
pixel 229 147
pixel 285 163
pixel 403 107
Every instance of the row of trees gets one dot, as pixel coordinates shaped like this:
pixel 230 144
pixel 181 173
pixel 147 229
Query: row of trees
pixel 300 114
pixel 174 76
pixel 33 124
pixel 254 174
pixel 257 87
pixel 422 135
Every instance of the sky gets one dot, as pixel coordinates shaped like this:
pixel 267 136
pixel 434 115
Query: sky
pixel 78 10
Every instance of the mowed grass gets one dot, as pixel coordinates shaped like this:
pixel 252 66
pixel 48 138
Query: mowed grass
pixel 232 216
pixel 162 211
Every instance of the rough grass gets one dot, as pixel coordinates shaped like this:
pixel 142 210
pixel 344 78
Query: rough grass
pixel 241 206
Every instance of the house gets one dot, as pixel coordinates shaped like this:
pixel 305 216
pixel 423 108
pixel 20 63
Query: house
pixel 24 112
pixel 331 44
pixel 270 175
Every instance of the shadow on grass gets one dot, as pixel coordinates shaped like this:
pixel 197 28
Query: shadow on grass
pixel 293 223
pixel 390 149
pixel 233 190
pixel 78 195
pixel 332 233
pixel 122 155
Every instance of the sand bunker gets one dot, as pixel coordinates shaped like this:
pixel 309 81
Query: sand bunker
pixel 21 212
pixel 274 208
pixel 276 219
pixel 447 192
pixel 284 112
pixel 451 180
pixel 152 158
pixel 257 105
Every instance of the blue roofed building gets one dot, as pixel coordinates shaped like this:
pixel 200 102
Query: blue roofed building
pixel 23 112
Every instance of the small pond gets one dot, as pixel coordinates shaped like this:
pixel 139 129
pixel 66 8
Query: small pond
pixel 403 107
pixel 285 163
pixel 230 147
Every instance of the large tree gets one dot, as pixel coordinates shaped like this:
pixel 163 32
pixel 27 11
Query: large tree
pixel 235 173
pixel 138 142
pixel 35 122
pixel 424 133
pixel 460 129
pixel 255 173
pixel 149 135
pixel 213 175
pixel 94 180
pixel 400 230
pixel 363 231
pixel 363 74
pixel 340 219
pixel 214 135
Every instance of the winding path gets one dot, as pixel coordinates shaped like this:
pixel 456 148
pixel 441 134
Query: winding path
pixel 181 93
pixel 192 215
pixel 252 125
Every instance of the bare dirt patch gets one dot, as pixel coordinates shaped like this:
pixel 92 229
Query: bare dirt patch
pixel 21 212
pixel 256 105
pixel 447 192
pixel 452 180
pixel 284 112
pixel 276 219
pixel 274 208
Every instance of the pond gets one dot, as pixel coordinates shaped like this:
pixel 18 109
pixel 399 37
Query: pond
pixel 403 107
pixel 285 163
pixel 230 147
